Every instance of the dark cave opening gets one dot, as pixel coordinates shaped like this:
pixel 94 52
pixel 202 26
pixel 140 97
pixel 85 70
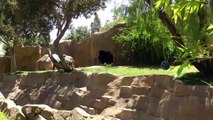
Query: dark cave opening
pixel 105 57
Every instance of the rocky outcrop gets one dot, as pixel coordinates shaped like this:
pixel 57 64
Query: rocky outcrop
pixel 41 112
pixel 97 96
pixel 86 53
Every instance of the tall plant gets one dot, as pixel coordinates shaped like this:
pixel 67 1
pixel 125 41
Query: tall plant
pixel 191 27
pixel 146 39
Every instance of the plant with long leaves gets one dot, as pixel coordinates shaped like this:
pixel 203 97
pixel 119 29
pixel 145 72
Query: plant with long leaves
pixel 147 40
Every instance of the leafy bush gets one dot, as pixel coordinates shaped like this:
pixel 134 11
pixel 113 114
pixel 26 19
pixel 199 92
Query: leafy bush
pixel 107 26
pixel 146 40
pixel 80 34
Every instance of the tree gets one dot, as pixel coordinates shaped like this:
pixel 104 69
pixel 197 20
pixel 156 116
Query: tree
pixel 12 32
pixel 147 40
pixel 80 33
pixel 40 17
pixel 191 30
pixel 189 26
pixel 96 24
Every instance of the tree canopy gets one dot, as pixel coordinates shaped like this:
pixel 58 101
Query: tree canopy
pixel 187 22
pixel 96 24
pixel 80 33
pixel 29 18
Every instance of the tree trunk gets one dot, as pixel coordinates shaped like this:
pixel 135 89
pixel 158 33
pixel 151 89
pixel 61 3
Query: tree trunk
pixel 205 66
pixel 13 67
pixel 171 27
pixel 62 63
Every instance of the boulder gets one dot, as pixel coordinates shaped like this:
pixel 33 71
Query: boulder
pixel 68 59
pixel 79 114
pixel 10 108
pixel 6 104
pixel 33 110
pixel 44 63
pixel 16 113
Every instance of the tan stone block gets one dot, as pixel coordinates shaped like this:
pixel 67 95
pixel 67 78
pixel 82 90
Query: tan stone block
pixel 164 81
pixel 125 91
pixel 148 80
pixel 200 91
pixel 106 98
pixel 142 103
pixel 100 105
pixel 141 90
pixel 156 91
pixel 181 90
pixel 126 114
pixel 126 81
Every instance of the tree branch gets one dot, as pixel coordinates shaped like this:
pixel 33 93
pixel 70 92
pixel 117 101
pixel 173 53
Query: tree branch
pixel 57 50
pixel 6 43
pixel 171 27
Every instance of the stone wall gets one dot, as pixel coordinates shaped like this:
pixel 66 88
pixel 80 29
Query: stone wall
pixel 26 58
pixel 84 54
pixel 4 65
pixel 154 97
pixel 87 52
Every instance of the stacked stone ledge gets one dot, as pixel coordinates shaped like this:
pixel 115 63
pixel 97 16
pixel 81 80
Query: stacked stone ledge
pixel 97 96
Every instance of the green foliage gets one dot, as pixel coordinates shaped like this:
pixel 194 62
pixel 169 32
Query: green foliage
pixel 14 31
pixel 192 21
pixel 24 19
pixel 146 39
pixel 96 24
pixel 3 116
pixel 107 26
pixel 80 34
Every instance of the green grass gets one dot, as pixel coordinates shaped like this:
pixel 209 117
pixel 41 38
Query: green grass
pixel 3 116
pixel 25 73
pixel 135 71
pixel 190 75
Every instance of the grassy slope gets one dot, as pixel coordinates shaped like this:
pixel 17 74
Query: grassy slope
pixel 134 71
pixel 190 75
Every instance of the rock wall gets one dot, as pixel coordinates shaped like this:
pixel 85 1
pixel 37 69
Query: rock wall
pixel 154 97
pixel 26 58
pixel 4 65
pixel 87 52
pixel 84 54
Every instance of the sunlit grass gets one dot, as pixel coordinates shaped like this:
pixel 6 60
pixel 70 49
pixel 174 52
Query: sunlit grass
pixel 189 75
pixel 135 71
pixel 25 73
